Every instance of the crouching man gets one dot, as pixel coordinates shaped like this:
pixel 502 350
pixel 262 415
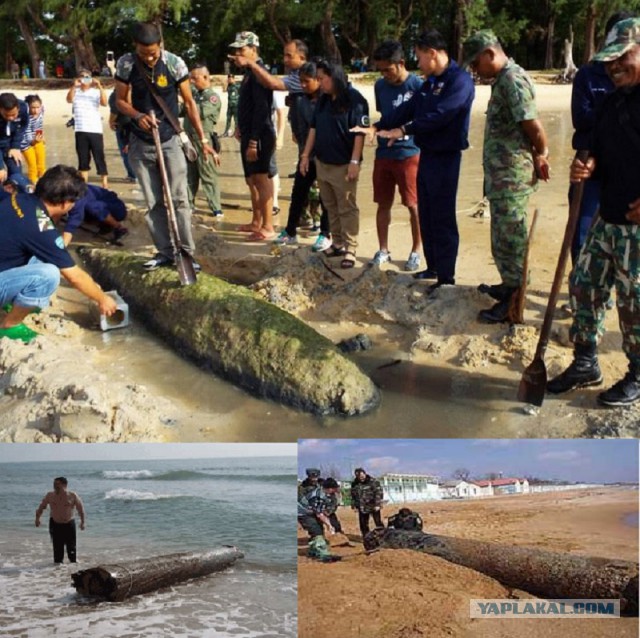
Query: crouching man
pixel 314 511
pixel 33 254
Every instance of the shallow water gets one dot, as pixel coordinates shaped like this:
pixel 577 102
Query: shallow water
pixel 418 400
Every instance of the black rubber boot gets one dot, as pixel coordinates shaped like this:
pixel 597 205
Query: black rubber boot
pixel 496 291
pixel 583 372
pixel 499 312
pixel 624 392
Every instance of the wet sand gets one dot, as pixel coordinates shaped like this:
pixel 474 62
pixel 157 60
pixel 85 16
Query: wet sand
pixel 401 593
pixel 451 376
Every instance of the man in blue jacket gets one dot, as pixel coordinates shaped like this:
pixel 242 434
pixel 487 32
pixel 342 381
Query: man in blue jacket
pixel 438 118
pixel 14 119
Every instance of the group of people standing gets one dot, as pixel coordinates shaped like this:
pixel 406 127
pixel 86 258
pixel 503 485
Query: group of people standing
pixel 318 502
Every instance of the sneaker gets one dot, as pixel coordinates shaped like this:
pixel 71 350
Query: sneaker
pixel 381 257
pixel 131 180
pixel 284 239
pixel 119 233
pixel 157 261
pixel 19 332
pixel 321 244
pixel 624 392
pixel 217 214
pixel 413 263
pixel 196 266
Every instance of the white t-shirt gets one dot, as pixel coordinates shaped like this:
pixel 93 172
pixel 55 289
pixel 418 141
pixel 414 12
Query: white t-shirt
pixel 86 111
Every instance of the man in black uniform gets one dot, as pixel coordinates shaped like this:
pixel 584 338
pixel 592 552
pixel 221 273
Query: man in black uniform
pixel 366 498
pixel 405 519
pixel 257 136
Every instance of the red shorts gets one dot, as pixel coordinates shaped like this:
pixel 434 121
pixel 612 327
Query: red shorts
pixel 387 173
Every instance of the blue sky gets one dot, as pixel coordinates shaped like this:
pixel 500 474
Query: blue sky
pixel 589 460
pixel 22 452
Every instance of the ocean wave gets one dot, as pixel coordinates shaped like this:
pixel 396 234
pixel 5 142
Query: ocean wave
pixel 127 474
pixel 133 495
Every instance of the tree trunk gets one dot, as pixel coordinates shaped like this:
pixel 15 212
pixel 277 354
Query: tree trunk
pixel 326 31
pixel 245 339
pixel 590 33
pixel 117 582
pixel 570 68
pixel 538 572
pixel 31 43
pixel 548 54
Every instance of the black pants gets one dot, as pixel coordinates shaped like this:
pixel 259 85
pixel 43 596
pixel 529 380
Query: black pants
pixel 438 175
pixel 300 197
pixel 88 144
pixel 63 534
pixel 363 520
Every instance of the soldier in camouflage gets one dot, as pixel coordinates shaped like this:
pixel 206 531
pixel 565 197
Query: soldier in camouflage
pixel 314 511
pixel 233 97
pixel 312 481
pixel 204 171
pixel 610 256
pixel 515 156
pixel 366 498
pixel 406 519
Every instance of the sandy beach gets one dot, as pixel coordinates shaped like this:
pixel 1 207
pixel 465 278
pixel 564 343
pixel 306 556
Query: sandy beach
pixel 402 593
pixel 76 384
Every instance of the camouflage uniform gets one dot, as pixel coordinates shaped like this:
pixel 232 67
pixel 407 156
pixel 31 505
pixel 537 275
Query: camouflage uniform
pixel 366 497
pixel 204 170
pixel 509 174
pixel 610 257
pixel 317 501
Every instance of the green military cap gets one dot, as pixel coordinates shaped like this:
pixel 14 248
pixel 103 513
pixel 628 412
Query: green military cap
pixel 245 39
pixel 475 44
pixel 623 37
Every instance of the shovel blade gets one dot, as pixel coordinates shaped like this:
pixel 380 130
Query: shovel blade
pixel 533 384
pixel 186 270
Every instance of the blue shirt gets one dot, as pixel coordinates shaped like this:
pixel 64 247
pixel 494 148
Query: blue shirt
pixel 334 142
pixel 591 86
pixel 438 114
pixel 389 97
pixel 27 231
pixel 96 204
pixel 11 133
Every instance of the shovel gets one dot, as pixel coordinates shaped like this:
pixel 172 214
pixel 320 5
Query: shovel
pixel 184 261
pixel 534 379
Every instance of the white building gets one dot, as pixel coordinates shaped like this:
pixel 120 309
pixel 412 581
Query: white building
pixel 409 488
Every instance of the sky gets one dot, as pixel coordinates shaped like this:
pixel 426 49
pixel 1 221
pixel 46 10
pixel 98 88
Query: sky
pixel 587 460
pixel 27 452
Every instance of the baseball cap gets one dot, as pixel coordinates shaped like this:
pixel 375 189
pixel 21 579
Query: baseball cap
pixel 623 36
pixel 245 39
pixel 476 44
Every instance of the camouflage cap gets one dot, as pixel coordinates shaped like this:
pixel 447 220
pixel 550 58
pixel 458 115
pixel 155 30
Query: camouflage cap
pixel 475 44
pixel 245 39
pixel 312 472
pixel 623 37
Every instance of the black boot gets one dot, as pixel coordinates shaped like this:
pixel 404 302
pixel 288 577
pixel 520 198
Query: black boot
pixel 624 392
pixel 499 312
pixel 583 371
pixel 496 291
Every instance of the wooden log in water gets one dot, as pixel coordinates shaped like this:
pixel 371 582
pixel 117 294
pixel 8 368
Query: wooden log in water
pixel 120 581
pixel 238 335
pixel 539 572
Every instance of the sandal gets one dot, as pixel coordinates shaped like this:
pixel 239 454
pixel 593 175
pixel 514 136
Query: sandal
pixel 261 235
pixel 349 260
pixel 335 251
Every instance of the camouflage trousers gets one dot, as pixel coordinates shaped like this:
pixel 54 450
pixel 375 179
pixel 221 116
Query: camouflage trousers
pixel 610 257
pixel 205 173
pixel 509 234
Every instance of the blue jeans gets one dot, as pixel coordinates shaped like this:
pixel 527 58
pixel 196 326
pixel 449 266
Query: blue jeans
pixel 29 286
pixel 143 160
pixel 125 156
pixel 14 173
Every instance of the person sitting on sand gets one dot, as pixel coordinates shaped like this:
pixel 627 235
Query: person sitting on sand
pixel 99 205
pixel 314 511
pixel 33 254
pixel 62 525
pixel 406 520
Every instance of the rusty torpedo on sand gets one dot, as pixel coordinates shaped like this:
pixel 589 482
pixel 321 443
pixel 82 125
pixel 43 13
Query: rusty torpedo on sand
pixel 536 571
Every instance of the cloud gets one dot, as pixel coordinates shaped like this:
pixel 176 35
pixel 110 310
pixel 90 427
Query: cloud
pixel 570 456
pixel 315 446
pixel 499 443
pixel 381 464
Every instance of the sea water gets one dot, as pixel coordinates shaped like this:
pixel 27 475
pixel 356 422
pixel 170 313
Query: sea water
pixel 139 509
